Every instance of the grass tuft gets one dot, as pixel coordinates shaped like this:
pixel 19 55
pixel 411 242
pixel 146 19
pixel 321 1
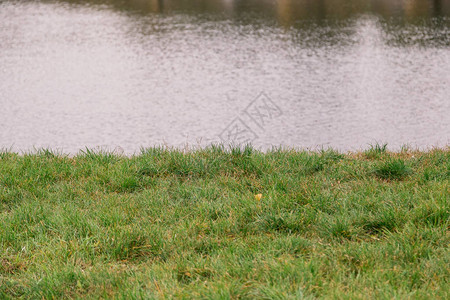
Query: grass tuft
pixel 393 169
pixel 375 151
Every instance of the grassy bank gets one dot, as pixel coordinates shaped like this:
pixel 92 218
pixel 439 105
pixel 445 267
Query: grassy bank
pixel 218 223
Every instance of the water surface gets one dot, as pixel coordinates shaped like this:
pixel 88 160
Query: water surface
pixel 305 74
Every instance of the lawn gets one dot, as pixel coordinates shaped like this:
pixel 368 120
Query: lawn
pixel 220 223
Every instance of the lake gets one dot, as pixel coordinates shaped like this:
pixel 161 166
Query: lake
pixel 121 75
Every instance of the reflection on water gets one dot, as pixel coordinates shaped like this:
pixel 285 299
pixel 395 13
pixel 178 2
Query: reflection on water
pixel 143 72
pixel 287 12
pixel 283 9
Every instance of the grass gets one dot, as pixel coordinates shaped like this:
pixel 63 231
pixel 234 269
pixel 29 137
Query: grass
pixel 169 224
pixel 375 151
pixel 392 169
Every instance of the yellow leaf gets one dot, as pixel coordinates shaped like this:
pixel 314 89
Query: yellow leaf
pixel 258 197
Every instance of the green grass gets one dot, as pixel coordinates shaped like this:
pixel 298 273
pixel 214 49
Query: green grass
pixel 168 224
pixel 375 151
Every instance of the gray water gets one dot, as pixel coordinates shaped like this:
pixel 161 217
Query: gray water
pixel 120 75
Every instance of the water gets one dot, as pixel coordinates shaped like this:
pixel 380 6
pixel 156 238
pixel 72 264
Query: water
pixel 129 74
